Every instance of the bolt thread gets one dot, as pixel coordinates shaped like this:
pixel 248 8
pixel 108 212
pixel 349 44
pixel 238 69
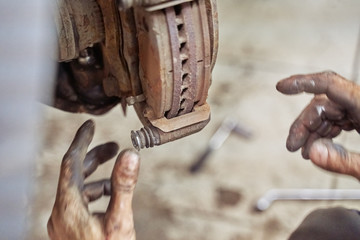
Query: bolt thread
pixel 144 138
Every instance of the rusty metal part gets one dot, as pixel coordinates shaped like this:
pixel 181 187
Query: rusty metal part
pixel 149 5
pixel 199 114
pixel 114 64
pixel 177 101
pixel 182 37
pixel 151 136
pixel 86 57
pixel 185 74
pixel 156 55
pixel 79 25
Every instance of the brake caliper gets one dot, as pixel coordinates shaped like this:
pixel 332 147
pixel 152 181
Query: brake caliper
pixel 156 55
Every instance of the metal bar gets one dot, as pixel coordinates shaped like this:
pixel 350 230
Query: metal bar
pixel 305 194
pixel 228 126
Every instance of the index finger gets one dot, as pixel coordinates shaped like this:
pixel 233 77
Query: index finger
pixel 336 88
pixel 71 167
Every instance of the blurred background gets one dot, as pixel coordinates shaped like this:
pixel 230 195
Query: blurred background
pixel 261 42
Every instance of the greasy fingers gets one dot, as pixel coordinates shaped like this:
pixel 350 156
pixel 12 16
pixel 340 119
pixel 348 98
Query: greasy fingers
pixel 95 190
pixel 308 121
pixel 306 147
pixel 335 107
pixel 99 155
pixel 119 217
pixel 298 136
pixel 125 173
pixel 311 83
pixel 338 89
pixel 70 218
pixel 318 117
pixel 71 166
pixel 333 157
pixel 69 215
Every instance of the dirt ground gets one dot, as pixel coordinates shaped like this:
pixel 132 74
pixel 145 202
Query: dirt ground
pixel 261 42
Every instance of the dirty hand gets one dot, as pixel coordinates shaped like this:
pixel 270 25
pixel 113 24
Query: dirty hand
pixel 335 107
pixel 70 218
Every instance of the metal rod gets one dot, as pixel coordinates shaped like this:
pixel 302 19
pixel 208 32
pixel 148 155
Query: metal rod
pixel 228 126
pixel 305 194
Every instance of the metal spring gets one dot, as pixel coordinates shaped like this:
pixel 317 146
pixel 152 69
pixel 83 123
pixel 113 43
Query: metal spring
pixel 144 137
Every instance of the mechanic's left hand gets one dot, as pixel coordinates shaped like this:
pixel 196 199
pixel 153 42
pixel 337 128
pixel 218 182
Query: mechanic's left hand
pixel 70 218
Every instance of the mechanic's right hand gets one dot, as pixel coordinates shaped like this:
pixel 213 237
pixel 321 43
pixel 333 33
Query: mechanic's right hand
pixel 335 107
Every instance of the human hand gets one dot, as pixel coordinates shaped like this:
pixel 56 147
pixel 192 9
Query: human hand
pixel 70 218
pixel 335 107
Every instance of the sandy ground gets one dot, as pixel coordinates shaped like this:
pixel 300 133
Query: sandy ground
pixel 261 42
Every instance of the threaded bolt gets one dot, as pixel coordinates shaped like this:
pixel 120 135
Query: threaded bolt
pixel 144 137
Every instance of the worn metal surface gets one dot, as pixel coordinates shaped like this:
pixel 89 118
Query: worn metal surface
pixel 186 80
pixel 79 25
pixel 114 64
pixel 199 114
pixel 150 136
pixel 161 50
pixel 150 5
pixel 183 49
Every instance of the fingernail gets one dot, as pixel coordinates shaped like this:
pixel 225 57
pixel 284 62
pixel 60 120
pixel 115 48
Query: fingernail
pixel 130 160
pixel 133 161
pixel 319 154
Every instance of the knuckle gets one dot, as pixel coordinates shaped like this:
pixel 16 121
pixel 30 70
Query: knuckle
pixel 329 74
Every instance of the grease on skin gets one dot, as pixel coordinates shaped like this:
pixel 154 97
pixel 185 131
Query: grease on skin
pixel 336 106
pixel 320 109
pixel 340 150
pixel 312 83
pixel 71 218
pixel 322 154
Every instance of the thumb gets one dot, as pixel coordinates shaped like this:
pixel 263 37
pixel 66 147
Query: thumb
pixel 334 157
pixel 119 222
